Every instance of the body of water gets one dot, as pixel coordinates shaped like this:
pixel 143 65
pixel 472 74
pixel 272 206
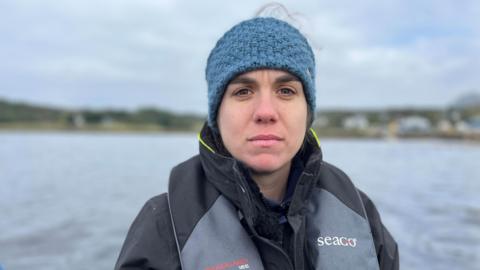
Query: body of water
pixel 67 200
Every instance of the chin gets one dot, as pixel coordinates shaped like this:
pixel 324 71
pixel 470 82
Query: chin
pixel 265 165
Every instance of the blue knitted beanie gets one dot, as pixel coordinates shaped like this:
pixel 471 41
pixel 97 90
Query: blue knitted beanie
pixel 256 44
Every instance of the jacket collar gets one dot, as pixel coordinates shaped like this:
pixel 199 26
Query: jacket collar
pixel 226 173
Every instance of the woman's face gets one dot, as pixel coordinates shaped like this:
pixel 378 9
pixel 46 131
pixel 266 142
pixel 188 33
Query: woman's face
pixel 263 119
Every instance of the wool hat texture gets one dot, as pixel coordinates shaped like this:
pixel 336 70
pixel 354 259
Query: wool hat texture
pixel 258 43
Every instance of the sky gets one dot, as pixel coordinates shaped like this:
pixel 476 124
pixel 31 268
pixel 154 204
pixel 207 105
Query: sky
pixel 122 54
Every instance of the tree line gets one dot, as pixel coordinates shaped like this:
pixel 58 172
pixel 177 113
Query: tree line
pixel 25 115
pixel 20 113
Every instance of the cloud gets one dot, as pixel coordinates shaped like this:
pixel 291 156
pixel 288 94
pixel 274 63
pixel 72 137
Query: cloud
pixel 133 53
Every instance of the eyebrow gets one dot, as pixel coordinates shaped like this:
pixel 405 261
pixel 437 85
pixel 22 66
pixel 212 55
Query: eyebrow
pixel 242 80
pixel 287 78
pixel 246 80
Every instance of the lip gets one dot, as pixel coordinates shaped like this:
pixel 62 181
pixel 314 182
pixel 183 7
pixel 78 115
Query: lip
pixel 265 140
pixel 265 137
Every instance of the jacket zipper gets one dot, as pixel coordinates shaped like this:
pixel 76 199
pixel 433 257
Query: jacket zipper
pixel 255 234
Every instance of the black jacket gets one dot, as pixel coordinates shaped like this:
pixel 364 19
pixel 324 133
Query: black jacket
pixel 151 241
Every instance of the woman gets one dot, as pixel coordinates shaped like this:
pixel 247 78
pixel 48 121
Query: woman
pixel 259 195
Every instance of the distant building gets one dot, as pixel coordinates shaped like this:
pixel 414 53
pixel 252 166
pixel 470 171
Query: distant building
pixel 444 126
pixel 473 124
pixel 357 121
pixel 462 127
pixel 107 121
pixel 414 125
pixel 78 120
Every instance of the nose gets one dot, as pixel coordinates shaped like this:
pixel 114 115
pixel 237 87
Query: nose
pixel 265 109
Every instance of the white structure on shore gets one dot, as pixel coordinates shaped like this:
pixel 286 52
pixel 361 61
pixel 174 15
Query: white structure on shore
pixel 414 125
pixel 357 121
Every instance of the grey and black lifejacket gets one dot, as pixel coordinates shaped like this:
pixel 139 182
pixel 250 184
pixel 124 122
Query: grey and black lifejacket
pixel 329 221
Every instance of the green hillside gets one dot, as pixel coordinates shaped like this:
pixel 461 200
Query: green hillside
pixel 29 116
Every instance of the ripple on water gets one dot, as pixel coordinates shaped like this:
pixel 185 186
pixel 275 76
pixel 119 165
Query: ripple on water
pixel 53 241
pixel 472 216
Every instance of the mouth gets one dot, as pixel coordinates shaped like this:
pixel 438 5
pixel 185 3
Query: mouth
pixel 265 140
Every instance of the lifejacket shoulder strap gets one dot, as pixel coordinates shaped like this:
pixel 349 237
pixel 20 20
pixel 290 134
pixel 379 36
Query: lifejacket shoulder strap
pixel 207 228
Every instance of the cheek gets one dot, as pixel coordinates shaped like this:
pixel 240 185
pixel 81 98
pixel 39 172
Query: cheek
pixel 233 117
pixel 297 114
pixel 299 135
pixel 298 125
pixel 229 130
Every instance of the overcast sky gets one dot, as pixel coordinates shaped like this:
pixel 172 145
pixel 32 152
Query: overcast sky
pixel 129 54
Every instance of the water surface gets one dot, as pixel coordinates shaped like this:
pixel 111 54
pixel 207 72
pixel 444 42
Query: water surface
pixel 67 200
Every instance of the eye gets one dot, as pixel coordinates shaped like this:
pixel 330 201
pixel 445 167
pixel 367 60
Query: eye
pixel 242 92
pixel 286 92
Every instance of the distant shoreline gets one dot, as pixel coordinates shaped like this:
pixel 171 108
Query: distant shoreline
pixel 441 123
pixel 323 134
